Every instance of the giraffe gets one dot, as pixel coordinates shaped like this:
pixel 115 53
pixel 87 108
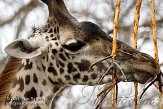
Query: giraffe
pixel 61 53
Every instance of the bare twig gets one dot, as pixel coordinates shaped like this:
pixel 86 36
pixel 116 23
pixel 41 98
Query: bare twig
pixel 154 31
pixel 121 71
pixel 114 47
pixel 90 68
pixel 105 92
pixel 105 74
pixel 134 44
pixel 145 89
pixel 59 94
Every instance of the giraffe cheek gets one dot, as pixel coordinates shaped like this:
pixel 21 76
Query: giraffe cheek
pixel 83 65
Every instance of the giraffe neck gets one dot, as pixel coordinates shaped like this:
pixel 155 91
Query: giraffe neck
pixel 30 85
pixel 30 89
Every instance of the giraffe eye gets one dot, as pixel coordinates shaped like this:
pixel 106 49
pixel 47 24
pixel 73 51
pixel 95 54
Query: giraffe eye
pixel 74 45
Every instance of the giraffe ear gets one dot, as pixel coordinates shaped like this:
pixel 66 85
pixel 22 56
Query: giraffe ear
pixel 22 49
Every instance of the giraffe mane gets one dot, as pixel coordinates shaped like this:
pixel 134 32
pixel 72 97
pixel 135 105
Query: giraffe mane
pixel 7 76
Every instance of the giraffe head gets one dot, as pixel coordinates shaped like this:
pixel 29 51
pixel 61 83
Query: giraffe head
pixel 67 49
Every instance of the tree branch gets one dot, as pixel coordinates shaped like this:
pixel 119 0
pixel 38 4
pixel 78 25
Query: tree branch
pixel 24 9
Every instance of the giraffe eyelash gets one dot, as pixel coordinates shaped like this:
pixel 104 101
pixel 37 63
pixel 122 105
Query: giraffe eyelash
pixel 74 46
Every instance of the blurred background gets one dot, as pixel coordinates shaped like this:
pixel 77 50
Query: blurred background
pixel 17 17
